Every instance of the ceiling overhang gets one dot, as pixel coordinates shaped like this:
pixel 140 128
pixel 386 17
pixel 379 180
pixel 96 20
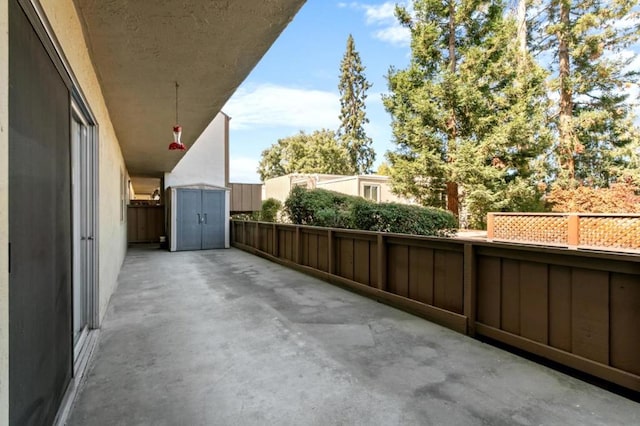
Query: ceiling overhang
pixel 141 48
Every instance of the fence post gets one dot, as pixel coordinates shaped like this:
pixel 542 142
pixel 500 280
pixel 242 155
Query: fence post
pixel 573 234
pixel 331 260
pixel 490 226
pixel 382 263
pixel 244 232
pixel 470 284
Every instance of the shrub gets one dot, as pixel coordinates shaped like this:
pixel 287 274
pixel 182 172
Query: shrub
pixel 270 208
pixel 320 207
pixel 404 219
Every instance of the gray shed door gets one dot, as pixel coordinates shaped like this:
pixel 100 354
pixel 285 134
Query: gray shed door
pixel 213 219
pixel 200 219
pixel 188 219
pixel 40 321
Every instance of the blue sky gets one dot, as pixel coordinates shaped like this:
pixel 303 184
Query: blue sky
pixel 295 85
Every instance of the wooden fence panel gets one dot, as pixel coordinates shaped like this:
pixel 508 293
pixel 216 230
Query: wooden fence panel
pixel 449 280
pixel 560 307
pixel 590 314
pixel 421 269
pixel 625 321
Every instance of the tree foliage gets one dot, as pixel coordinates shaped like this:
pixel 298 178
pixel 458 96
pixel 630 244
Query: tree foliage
pixel 463 113
pixel 586 44
pixel 318 152
pixel 353 88
pixel 618 198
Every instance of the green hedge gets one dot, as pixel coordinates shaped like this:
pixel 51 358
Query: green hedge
pixel 319 207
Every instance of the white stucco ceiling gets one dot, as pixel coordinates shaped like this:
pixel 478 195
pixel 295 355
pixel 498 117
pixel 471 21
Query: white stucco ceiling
pixel 141 48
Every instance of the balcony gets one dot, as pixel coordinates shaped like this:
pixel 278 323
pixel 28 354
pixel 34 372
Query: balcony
pixel 226 337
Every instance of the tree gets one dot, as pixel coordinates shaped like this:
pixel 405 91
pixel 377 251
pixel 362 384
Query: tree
pixel 353 88
pixel 318 152
pixel 465 121
pixel 588 42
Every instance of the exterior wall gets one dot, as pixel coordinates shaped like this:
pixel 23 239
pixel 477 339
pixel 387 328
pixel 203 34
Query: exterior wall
pixel 204 163
pixel 277 188
pixel 4 209
pixel 386 196
pixel 347 186
pixel 112 238
pixel 246 197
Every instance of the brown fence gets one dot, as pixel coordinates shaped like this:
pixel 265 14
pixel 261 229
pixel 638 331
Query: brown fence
pixel 581 309
pixel 618 232
pixel 145 224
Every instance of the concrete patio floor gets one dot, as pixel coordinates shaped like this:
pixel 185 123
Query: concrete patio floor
pixel 226 338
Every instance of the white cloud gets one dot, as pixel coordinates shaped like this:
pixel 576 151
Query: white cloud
pixel 269 105
pixel 243 169
pixel 383 17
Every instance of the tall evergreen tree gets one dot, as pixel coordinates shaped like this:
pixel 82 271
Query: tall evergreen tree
pixel 588 43
pixel 465 121
pixel 353 88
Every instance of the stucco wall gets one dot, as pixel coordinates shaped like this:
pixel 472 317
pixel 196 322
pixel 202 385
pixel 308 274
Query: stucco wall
pixel 204 162
pixel 4 209
pixel 112 238
pixel 277 188
pixel 347 186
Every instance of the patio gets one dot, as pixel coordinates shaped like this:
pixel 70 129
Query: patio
pixel 225 337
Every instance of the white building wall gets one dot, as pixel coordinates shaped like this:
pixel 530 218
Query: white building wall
pixel 205 162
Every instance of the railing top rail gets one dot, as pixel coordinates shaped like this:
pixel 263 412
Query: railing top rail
pixel 565 214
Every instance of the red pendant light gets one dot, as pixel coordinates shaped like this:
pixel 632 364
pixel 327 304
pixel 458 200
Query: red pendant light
pixel 177 130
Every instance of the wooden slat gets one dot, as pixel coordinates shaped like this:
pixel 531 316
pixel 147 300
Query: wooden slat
pixel 534 309
pixel 470 288
pixel 323 252
pixel 361 261
pixel 560 307
pixel 398 270
pixel 448 281
pixel 625 322
pixel 345 258
pixel 313 251
pixel 510 299
pixel 421 274
pixel 373 264
pixel 590 314
pixel 488 305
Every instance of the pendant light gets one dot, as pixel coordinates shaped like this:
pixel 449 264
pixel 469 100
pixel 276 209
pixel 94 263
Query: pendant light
pixel 177 130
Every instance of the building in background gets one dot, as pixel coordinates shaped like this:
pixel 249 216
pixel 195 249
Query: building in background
pixel 376 188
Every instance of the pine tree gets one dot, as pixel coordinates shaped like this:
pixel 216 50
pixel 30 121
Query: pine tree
pixel 588 43
pixel 468 113
pixel 353 88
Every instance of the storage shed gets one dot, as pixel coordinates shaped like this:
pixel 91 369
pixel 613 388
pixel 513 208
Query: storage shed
pixel 198 217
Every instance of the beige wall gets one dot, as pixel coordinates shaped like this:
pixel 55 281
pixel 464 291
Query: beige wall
pixel 347 186
pixel 4 208
pixel 277 188
pixel 112 236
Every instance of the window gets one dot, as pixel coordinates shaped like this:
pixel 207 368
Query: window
pixel 372 192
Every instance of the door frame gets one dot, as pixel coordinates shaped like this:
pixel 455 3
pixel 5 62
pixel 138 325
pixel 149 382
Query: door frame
pixel 80 114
